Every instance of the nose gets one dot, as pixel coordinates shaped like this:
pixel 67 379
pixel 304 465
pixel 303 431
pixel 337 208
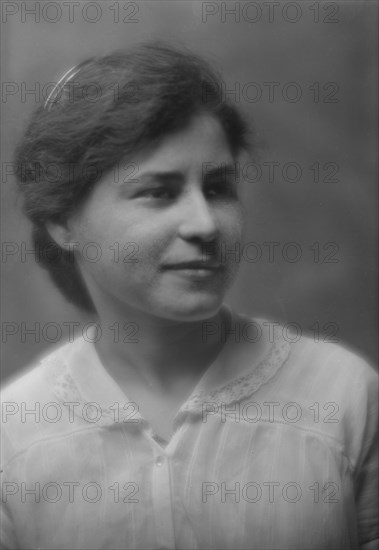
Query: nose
pixel 197 218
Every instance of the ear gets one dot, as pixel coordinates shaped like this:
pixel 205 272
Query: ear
pixel 61 234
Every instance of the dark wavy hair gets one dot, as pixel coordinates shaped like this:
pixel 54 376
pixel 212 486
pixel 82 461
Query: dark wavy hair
pixel 112 106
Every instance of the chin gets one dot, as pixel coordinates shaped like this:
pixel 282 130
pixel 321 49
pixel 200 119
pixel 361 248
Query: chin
pixel 194 310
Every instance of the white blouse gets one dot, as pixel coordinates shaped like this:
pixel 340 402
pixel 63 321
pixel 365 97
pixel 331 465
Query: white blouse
pixel 276 454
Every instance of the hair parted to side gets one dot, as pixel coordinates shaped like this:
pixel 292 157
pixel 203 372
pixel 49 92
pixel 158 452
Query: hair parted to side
pixel 113 106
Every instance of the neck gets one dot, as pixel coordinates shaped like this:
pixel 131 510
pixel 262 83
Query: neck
pixel 158 353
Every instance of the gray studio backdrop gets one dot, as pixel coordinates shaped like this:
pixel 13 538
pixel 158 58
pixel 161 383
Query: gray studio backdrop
pixel 305 74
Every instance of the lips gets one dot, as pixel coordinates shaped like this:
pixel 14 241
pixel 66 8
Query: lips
pixel 193 265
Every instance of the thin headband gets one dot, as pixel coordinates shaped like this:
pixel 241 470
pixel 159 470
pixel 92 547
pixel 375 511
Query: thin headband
pixel 60 85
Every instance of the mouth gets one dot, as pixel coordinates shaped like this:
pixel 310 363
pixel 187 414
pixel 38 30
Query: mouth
pixel 195 270
pixel 194 265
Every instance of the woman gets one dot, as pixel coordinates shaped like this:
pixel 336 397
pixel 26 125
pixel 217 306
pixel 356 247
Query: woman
pixel 174 422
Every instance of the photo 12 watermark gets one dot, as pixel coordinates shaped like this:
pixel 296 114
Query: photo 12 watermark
pixel 54 412
pixel 268 171
pixel 269 492
pixel 69 492
pixel 275 172
pixel 252 92
pixel 270 252
pixel 271 12
pixel 251 252
pixel 253 332
pixel 53 332
pixel 53 12
pixel 271 411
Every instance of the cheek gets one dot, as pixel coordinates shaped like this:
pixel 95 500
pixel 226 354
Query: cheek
pixel 126 255
pixel 106 233
pixel 230 239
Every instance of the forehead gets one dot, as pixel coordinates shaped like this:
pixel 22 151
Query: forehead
pixel 202 141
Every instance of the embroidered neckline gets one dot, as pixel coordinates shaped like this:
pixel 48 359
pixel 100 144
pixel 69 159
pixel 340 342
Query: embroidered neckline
pixel 243 386
pixel 66 390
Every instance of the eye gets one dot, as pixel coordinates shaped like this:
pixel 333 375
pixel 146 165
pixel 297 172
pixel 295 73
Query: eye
pixel 157 193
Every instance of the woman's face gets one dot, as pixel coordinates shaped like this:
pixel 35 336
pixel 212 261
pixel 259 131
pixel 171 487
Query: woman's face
pixel 173 204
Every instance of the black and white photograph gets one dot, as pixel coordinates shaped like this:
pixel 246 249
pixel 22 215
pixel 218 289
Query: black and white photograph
pixel 189 267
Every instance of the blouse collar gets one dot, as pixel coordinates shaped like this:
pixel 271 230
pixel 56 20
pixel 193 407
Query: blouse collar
pixel 77 375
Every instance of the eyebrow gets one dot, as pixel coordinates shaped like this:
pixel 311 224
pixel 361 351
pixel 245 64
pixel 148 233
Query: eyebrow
pixel 177 176
pixel 162 177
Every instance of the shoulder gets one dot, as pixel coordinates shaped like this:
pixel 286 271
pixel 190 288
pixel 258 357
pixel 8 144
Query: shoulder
pixel 310 359
pixel 337 383
pixel 34 381
pixel 29 404
pixel 333 387
pixel 333 368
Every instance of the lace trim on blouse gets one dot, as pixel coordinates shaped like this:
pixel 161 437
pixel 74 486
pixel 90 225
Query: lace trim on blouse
pixel 66 390
pixel 243 386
